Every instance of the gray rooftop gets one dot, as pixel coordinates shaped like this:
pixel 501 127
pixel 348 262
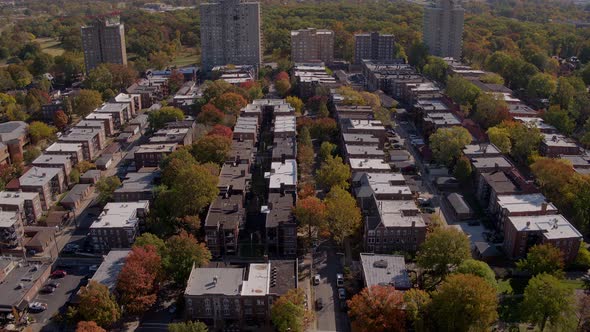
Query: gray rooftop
pixel 38 176
pixel 385 270
pixel 111 266
pixel 222 281
pixel 134 182
pixel 490 162
pixel 458 203
pixel 75 194
pixel 25 275
pixel 12 130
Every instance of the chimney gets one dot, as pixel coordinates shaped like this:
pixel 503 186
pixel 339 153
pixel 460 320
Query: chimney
pixel 544 207
pixel 215 280
pixel 496 167
pixel 528 224
pixel 243 172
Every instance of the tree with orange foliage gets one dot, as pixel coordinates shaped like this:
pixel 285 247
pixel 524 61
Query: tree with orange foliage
pixel 305 159
pixel 230 103
pixel 138 279
pixel 210 115
pixel 85 326
pixel 282 76
pixel 310 212
pixel 221 130
pixel 377 309
pixel 175 80
pixel 306 189
pixel 60 119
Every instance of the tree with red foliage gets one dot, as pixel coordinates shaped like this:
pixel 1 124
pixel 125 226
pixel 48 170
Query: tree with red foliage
pixel 89 326
pixel 282 76
pixel 310 212
pixel 138 279
pixel 210 115
pixel 60 119
pixel 230 103
pixel 175 80
pixel 314 103
pixel 247 85
pixel 377 309
pixel 221 130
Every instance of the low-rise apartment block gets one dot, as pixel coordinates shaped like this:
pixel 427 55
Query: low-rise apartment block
pixel 520 205
pixel 120 113
pixel 234 179
pixel 284 148
pixel 393 225
pixel 181 136
pixel 20 281
pixel 380 270
pixel 118 225
pixel 382 186
pixel 284 126
pixel 11 230
pixel 246 129
pixel 48 182
pixel 521 233
pixel 366 127
pixel 356 112
pixel 311 76
pixel 137 187
pixel 363 151
pixel 63 162
pixel 14 135
pixel 74 150
pixel 242 152
pixel 554 145
pixel 28 204
pixel 360 139
pixel 282 176
pixel 107 120
pixel 133 100
pixel 371 165
pixel 238 298
pixel 151 89
pixel 95 124
pixel 151 155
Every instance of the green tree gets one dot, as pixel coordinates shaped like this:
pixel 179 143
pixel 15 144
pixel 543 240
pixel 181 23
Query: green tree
pixel 86 102
pixel 461 91
pixel 447 144
pixel 327 150
pixel 480 269
pixel 500 137
pixel 464 302
pixel 283 87
pixel 492 78
pixel 418 55
pixel 98 304
pixel 187 327
pixel 323 111
pixel 462 170
pixel 184 252
pixel 560 119
pixel 417 303
pixel 192 190
pixel 74 176
pixel 490 110
pixel 525 141
pixel 443 250
pixel 333 172
pixel 288 312
pixel 99 78
pixel 211 149
pixel 304 137
pixel 543 258
pixel 436 69
pixel 546 300
pixel 564 94
pixel 30 154
pixel 296 103
pixel 158 119
pixel 343 215
pixel 146 239
pixel 106 188
pixel 40 131
pixel 541 86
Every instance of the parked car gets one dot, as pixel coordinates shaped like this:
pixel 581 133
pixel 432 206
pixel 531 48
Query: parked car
pixel 341 293
pixel 319 304
pixel 339 280
pixel 53 284
pixel 58 274
pixel 316 279
pixel 37 306
pixel 47 289
pixel 428 209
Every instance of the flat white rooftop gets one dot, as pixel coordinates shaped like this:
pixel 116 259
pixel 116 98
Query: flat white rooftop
pixel 111 108
pixel 53 159
pixel 368 164
pixel 258 280
pixel 366 125
pixel 284 124
pixel 283 173
pixel 119 215
pixel 553 226
pixel 152 148
pixel 8 218
pixel 101 116
pixel 357 150
pixel 16 197
pixel 535 122
pixel 558 140
pixel 400 213
pixel 523 203
pixel 64 147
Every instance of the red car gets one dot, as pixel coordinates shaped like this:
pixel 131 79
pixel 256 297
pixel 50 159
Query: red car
pixel 59 274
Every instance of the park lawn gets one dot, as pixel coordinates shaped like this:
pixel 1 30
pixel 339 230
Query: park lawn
pixel 50 46
pixel 187 58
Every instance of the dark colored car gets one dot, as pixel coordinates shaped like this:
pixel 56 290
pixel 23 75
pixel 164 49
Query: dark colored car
pixel 58 274
pixel 319 304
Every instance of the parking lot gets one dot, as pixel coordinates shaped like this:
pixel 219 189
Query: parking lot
pixel 55 301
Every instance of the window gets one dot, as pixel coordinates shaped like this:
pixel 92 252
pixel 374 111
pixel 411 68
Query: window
pixel 259 302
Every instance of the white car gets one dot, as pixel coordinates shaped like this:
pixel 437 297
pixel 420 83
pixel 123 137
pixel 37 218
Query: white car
pixel 37 306
pixel 339 280
pixel 316 279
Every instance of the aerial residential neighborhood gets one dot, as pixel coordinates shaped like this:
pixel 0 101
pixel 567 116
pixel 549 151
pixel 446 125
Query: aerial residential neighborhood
pixel 237 165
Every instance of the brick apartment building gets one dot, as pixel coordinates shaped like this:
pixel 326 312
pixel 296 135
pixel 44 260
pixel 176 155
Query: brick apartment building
pixel 28 204
pixel 118 225
pixel 48 182
pixel 224 219
pixel 280 225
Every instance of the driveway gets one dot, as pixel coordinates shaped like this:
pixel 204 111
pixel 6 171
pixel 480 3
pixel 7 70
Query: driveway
pixel 327 263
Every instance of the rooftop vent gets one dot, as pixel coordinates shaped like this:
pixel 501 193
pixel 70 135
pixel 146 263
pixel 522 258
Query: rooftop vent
pixel 382 264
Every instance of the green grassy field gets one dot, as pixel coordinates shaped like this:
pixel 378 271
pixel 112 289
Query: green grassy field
pixel 50 46
pixel 186 58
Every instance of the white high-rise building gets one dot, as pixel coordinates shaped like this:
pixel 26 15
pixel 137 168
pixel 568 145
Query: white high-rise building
pixel 443 28
pixel 230 33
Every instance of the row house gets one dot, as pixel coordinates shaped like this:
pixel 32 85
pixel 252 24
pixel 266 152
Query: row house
pixel 365 127
pixel 74 150
pixel 151 155
pixel 356 112
pixel 137 187
pixel 107 120
pixel 246 129
pixel 151 90
pixel 225 218
pixel 242 152
pixel 363 151
pixel 120 113
pixel 95 124
pixel 284 148
pixel 310 77
pixel 234 179
pixel 280 225
pixel 282 176
pixel 382 186
pixel 555 145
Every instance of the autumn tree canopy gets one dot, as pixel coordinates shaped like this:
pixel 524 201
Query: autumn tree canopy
pixel 98 304
pixel 378 309
pixel 343 214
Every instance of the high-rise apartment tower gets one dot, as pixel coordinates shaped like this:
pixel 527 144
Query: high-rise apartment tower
pixel 230 33
pixel 373 46
pixel 443 28
pixel 103 41
pixel 309 45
